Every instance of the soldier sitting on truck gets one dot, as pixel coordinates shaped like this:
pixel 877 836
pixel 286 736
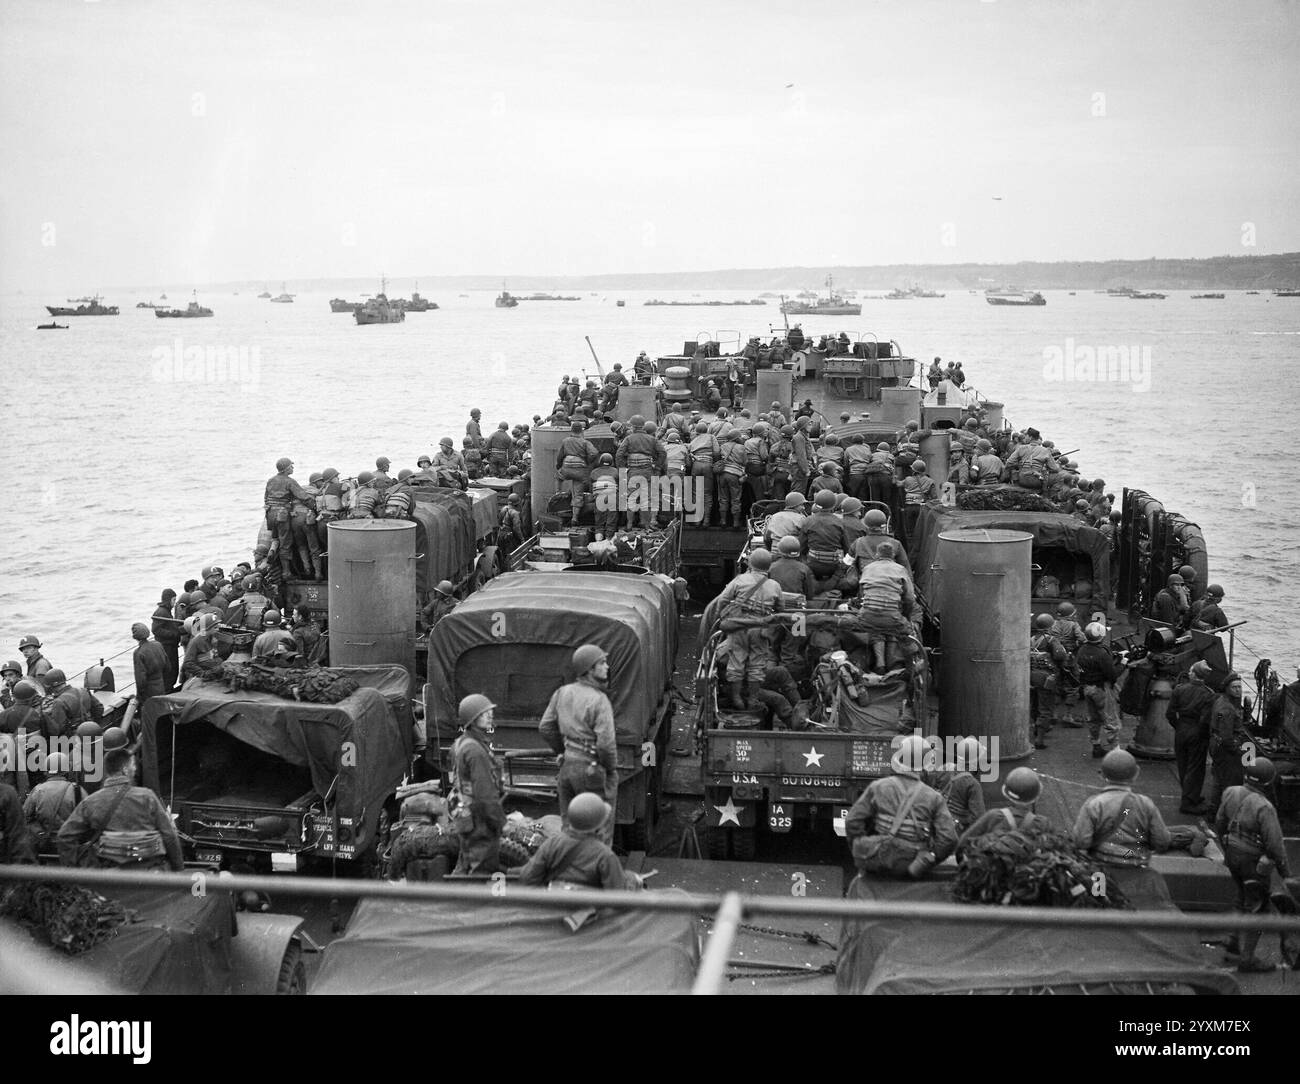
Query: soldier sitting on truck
pixel 900 827
pixel 753 594
pixel 577 856
pixel 888 601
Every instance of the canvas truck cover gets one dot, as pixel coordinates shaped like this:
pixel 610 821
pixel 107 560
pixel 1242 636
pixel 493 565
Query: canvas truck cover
pixel 512 641
pixel 444 537
pixel 1048 528
pixel 376 718
pixel 485 513
pixel 401 947
pixel 175 943
pixel 892 956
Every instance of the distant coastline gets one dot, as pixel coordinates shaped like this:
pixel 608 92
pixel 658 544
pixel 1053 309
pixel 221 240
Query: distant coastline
pixel 1264 272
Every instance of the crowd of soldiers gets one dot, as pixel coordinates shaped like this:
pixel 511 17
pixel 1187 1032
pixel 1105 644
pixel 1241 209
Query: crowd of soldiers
pixel 298 516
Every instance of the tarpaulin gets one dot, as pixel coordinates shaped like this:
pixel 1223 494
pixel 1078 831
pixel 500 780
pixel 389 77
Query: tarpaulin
pixel 444 537
pixel 893 956
pixel 512 640
pixel 399 947
pixel 376 719
pixel 179 944
pixel 1050 529
pixel 486 516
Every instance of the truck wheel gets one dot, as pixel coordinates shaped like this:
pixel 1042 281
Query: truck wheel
pixel 293 972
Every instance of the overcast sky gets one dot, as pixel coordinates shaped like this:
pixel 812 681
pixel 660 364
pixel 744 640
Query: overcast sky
pixel 173 141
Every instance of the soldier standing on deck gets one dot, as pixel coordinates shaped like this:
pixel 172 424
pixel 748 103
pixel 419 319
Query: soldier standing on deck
pixel 1189 715
pixel 479 816
pixel 578 725
pixel 281 492
pixel 167 631
pixel 37 664
pixel 1228 734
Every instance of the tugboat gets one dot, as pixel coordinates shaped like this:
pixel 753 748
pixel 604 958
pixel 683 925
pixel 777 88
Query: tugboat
pixel 379 310
pixel 285 297
pixel 192 310
pixel 1012 296
pixel 506 300
pixel 830 305
pixel 92 307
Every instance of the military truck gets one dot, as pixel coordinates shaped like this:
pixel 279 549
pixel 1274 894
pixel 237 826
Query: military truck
pixel 259 781
pixel 512 641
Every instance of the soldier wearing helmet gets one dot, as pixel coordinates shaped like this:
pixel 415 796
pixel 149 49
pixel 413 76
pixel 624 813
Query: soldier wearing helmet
pixel 825 541
pixel 424 848
pixel 1229 734
pixel 900 826
pixel 793 575
pixel 274 643
pixel 51 802
pixel 37 664
pixel 1119 826
pixel 1253 848
pixel 499 449
pixel 642 456
pixel 1206 613
pixel 918 489
pixel 574 460
pixel 1021 790
pixel 578 856
pixel 958 785
pixel 442 600
pixel 1048 663
pixel 476 781
pixel 1098 674
pixel 448 466
pixel 380 477
pixel 278 498
pixel 167 632
pixel 1189 715
pixel 704 453
pixel 473 431
pixel 11 673
pixel 578 725
pixel 150 663
pixel 1171 605
pixel 22 718
pixel 365 497
pixel 886 594
pixel 201 657
pixel 62 709
pixel 748 647
pixel 16 844
pixel 120 826
pixel 803 454
pixel 785 523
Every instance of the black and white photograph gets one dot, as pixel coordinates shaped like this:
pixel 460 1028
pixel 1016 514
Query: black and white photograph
pixel 539 499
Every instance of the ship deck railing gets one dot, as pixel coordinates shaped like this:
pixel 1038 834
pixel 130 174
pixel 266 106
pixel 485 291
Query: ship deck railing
pixel 727 911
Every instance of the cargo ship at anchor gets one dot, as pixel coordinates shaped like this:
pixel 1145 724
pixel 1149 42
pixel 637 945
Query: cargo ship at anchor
pixel 831 305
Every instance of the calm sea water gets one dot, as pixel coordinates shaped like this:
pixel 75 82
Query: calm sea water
pixel 128 470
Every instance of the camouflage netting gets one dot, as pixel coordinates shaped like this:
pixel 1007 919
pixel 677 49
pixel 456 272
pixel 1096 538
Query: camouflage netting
pixel 70 917
pixel 316 684
pixel 1033 868
pixel 1004 499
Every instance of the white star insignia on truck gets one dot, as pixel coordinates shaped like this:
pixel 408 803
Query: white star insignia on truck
pixel 812 758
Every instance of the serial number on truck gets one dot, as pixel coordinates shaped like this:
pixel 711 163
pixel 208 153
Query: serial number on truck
pixel 811 781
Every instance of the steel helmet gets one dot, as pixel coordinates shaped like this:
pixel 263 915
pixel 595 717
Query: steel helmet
pixel 1187 573
pixel 29 641
pixel 1065 609
pixel 27 690
pixel 1215 590
pixel 1119 766
pixel 883 446
pixel 314 477
pixel 918 466
pixel 1043 621
pixel 56 764
pixel 587 812
pixel 701 428
pixel 55 678
pixel 252 582
pixel 1261 772
pixel 606 460
pixel 404 474
pixel 760 560
pixel 636 421
pixel 424 461
pixel 283 463
pixel 1081 505
pixel 89 729
pixel 795 499
pixel 329 474
pixel 824 499
pixel 472 707
pixel 789 545
pixel 968 753
pixel 1174 580
pixel 444 587
pixel 1022 785
pixel 271 617
pixel 12 667
pixel 587 656
pixel 115 739
pixel 1095 632
pixel 366 477
pixel 874 518
pixel 382 462
pixel 840 498
pixel 911 755
pixel 447 442
pixel 851 506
